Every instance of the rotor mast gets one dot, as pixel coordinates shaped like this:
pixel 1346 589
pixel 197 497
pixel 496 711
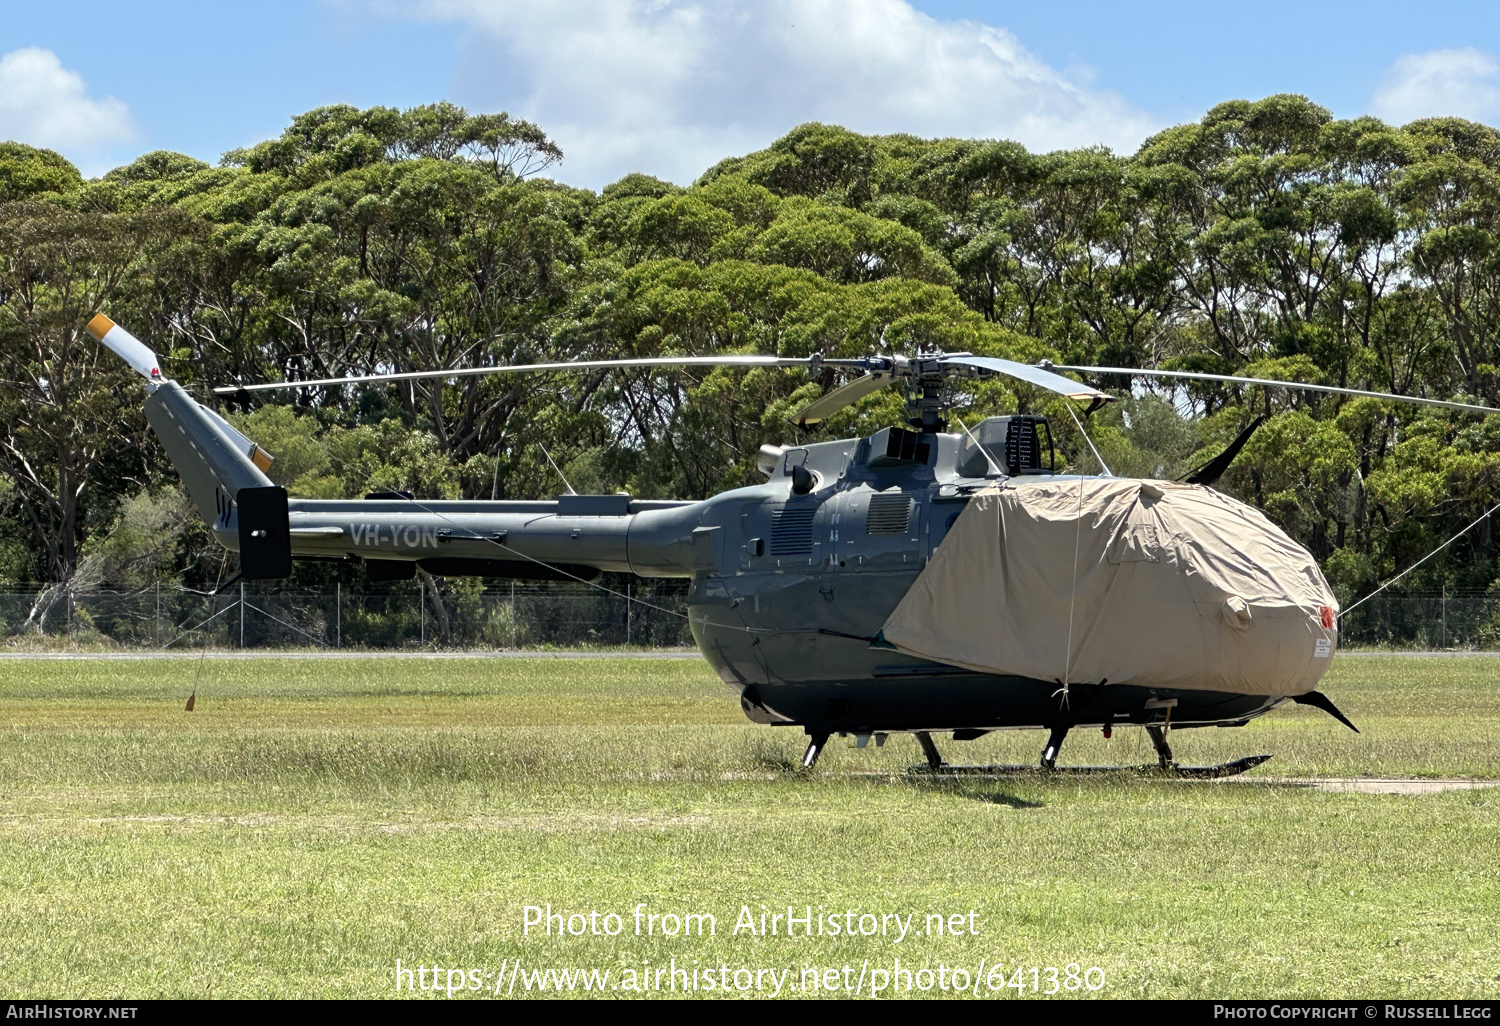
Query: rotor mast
pixel 927 395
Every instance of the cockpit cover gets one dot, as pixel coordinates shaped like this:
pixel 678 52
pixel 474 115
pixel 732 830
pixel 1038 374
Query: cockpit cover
pixel 1150 583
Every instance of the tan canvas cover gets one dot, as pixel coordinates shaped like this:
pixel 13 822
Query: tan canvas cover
pixel 1172 586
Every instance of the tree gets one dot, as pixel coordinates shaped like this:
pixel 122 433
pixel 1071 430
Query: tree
pixel 27 172
pixel 1268 239
pixel 65 413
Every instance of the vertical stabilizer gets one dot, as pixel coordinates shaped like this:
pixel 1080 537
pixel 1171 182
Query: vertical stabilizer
pixel 211 464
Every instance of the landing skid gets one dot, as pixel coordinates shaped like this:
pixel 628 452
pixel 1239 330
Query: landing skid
pixel 1223 769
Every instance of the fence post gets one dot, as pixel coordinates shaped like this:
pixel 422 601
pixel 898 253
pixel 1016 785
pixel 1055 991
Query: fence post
pixel 338 615
pixel 422 608
pixel 158 613
pixel 242 614
pixel 512 615
pixel 627 612
pixel 1445 614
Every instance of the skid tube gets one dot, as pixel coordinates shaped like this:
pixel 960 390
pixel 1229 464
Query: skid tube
pixel 1224 769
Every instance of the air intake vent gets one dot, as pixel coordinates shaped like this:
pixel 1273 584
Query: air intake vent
pixel 1023 449
pixel 889 514
pixel 792 530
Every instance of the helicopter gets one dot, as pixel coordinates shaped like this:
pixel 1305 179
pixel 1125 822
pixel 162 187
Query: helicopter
pixel 918 580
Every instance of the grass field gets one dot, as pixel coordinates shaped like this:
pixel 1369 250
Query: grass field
pixel 313 821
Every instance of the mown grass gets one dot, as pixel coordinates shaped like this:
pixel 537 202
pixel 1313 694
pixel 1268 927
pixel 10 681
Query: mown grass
pixel 312 821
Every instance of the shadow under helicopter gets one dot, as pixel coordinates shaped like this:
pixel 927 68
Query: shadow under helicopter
pixel 972 791
pixel 1003 703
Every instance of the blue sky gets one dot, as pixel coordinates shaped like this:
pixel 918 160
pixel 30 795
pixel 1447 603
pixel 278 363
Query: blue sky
pixel 670 86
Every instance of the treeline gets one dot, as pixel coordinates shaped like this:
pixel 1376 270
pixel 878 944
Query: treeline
pixel 1268 239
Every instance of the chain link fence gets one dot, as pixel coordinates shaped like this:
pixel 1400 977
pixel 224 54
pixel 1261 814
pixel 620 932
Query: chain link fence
pixel 394 617
pixel 1424 622
pixel 531 615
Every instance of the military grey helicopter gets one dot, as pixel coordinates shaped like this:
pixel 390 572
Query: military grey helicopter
pixel 918 580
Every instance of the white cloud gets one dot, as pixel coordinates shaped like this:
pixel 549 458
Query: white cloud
pixel 670 87
pixel 1439 83
pixel 44 104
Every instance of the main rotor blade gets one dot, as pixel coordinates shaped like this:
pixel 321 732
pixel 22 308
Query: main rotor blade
pixel 469 372
pixel 1039 376
pixel 846 394
pixel 1298 385
pixel 124 345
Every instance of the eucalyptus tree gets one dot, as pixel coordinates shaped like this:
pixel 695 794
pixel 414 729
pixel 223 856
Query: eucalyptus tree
pixel 69 418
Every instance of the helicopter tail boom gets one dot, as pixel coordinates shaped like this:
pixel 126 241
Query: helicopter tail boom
pixel 573 536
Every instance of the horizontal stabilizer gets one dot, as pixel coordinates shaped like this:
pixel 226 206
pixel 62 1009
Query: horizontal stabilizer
pixel 265 534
